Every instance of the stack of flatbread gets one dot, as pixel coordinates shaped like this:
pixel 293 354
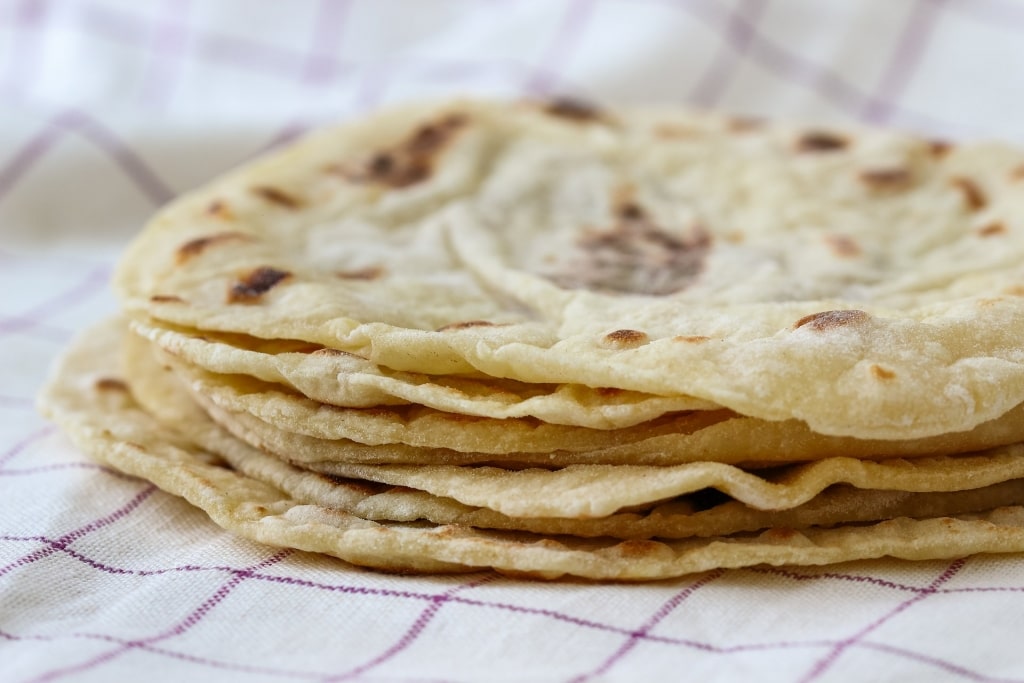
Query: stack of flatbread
pixel 554 340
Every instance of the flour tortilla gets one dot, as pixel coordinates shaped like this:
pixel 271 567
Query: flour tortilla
pixel 283 422
pixel 867 283
pixel 595 491
pixel 163 397
pixel 347 380
pixel 95 409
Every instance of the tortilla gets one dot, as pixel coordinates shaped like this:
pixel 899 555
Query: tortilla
pixel 95 407
pixel 864 282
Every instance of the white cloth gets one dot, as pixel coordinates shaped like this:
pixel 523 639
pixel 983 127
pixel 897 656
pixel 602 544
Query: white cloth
pixel 110 107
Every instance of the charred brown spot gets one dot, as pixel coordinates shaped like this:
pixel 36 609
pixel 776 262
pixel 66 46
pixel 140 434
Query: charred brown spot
pixel 973 195
pixel 608 391
pixel 220 209
pixel 193 248
pixel 1015 290
pixel 277 196
pixel 166 299
pixel 111 384
pixel 573 109
pixel 1017 173
pixel 691 338
pixel 465 325
pixel 886 179
pixel 843 246
pixel 742 124
pixel 369 273
pixel 639 548
pixel 828 320
pixel 252 286
pixel 940 148
pixel 821 141
pixel 625 339
pixel 410 161
pixel 880 372
pixel 631 212
pixel 992 229
pixel 634 256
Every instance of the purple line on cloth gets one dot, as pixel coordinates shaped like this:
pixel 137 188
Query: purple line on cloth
pixel 362 590
pixel 94 281
pixel 655 619
pixel 711 86
pixel 170 38
pixel 27 156
pixel 30 16
pixel 407 638
pixel 320 64
pixel 910 48
pixel 213 663
pixel 945 666
pixel 124 156
pixel 20 446
pixel 62 466
pixel 77 534
pixel 558 53
pixel 828 660
pixel 181 627
pixel 789 574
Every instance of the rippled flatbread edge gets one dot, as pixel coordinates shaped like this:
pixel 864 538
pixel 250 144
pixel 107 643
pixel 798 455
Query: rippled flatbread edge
pixel 102 420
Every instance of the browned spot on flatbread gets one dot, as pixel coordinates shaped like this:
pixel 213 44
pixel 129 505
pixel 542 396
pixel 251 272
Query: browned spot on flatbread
pixel 743 124
pixel 1017 173
pixel 251 287
pixel 573 110
pixel 1015 290
pixel 779 534
pixel 197 246
pixel 111 384
pixel 220 209
pixel 843 246
pixel 166 299
pixel 886 179
pixel 368 273
pixel 411 160
pixel 940 148
pixel 992 229
pixel 821 141
pixel 638 548
pixel 277 196
pixel 466 325
pixel 674 131
pixel 829 320
pixel 633 256
pixel 691 338
pixel 625 339
pixel 883 373
pixel 609 391
pixel 974 196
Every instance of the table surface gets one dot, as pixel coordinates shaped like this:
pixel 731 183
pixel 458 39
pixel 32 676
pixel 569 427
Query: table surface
pixel 108 108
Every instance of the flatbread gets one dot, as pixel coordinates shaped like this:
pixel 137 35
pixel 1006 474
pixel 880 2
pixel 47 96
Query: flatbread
pixel 594 491
pixel 347 380
pixel 867 283
pixel 96 409
pixel 279 420
pixel 162 396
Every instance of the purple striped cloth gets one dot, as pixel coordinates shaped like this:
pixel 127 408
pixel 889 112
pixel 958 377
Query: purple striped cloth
pixel 108 108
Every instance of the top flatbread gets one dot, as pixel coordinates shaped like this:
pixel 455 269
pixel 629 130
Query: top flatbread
pixel 867 283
